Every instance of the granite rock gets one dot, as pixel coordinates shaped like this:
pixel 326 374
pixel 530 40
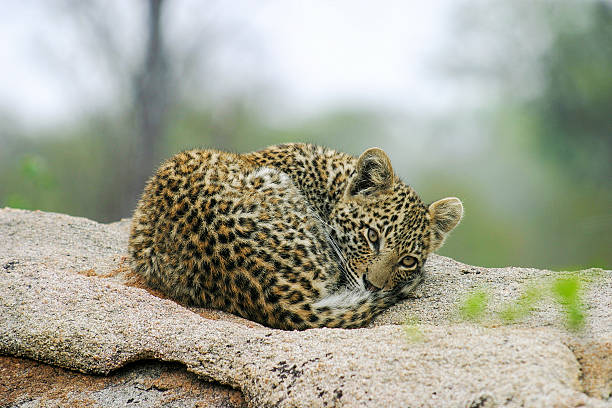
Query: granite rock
pixel 68 300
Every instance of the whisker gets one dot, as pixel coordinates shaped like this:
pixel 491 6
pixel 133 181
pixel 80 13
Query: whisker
pixel 348 273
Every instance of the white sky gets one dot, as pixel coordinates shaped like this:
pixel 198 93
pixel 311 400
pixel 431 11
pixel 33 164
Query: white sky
pixel 316 54
pixel 345 51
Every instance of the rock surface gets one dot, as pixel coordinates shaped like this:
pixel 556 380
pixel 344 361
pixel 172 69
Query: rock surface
pixel 67 299
pixel 27 383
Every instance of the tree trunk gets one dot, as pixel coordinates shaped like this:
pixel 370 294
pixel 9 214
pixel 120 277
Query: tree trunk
pixel 151 100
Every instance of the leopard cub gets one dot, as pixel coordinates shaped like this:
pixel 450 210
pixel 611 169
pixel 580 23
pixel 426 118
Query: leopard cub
pixel 293 236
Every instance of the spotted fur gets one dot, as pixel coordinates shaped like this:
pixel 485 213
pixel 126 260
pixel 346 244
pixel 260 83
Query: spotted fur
pixel 294 236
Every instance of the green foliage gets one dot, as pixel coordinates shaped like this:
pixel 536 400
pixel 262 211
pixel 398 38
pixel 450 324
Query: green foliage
pixel 520 209
pixel 81 169
pixel 34 177
pixel 541 193
pixel 35 170
pixel 573 111
pixel 76 170
pixel 474 305
pixel 566 290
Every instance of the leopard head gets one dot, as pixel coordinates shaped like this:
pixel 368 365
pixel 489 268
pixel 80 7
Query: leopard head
pixel 384 229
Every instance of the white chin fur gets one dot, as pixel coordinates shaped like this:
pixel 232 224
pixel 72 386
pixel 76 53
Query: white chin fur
pixel 343 298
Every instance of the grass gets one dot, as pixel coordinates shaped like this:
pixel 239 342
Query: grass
pixel 474 306
pixel 566 290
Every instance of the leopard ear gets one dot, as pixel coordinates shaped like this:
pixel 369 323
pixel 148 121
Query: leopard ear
pixel 374 173
pixel 445 215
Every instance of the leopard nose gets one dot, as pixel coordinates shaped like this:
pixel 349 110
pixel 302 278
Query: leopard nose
pixel 381 271
pixel 368 285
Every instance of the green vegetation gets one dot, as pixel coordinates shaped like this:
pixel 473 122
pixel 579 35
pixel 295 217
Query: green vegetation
pixel 567 290
pixel 536 183
pixel 522 306
pixel 547 67
pixel 80 169
pixel 475 305
pixel 36 178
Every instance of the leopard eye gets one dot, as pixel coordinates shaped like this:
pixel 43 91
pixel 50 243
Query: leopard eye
pixel 408 262
pixel 372 235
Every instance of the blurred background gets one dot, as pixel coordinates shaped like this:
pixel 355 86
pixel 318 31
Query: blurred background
pixel 507 105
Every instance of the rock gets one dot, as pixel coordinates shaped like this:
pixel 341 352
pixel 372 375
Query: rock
pixel 68 299
pixel 144 384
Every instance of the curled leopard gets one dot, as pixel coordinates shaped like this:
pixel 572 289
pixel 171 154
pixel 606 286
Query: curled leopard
pixel 294 236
